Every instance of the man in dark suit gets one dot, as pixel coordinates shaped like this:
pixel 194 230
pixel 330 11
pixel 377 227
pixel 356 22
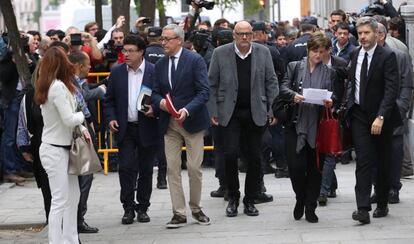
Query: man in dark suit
pixel 243 86
pixel 373 114
pixel 183 75
pixel 136 131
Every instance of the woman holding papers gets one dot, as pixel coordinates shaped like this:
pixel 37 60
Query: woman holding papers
pixel 301 134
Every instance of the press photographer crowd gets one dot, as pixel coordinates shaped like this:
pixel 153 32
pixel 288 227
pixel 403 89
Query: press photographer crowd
pixel 286 98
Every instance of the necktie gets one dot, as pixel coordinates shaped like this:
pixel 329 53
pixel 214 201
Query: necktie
pixel 172 71
pixel 363 78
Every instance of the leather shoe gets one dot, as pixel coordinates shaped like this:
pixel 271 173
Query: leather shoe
pixel 323 200
pixel 250 209
pixel 219 192
pixel 298 210
pixel 262 198
pixel 332 194
pixel 282 173
pixel 310 216
pixel 380 212
pixel 201 218
pixel 85 228
pixel 143 216
pixel 231 209
pixel 362 216
pixel 393 197
pixel 162 184
pixel 128 217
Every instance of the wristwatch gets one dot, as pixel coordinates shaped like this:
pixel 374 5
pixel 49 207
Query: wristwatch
pixel 380 117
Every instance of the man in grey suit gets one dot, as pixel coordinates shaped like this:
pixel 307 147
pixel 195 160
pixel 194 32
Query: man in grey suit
pixel 403 102
pixel 243 85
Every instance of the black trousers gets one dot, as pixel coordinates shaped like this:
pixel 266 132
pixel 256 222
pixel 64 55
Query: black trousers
pixel 42 182
pixel 303 171
pixel 85 184
pixel 161 160
pixel 219 162
pixel 242 123
pixel 371 151
pixel 134 160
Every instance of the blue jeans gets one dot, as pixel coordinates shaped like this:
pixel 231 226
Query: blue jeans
pixel 328 175
pixel 11 159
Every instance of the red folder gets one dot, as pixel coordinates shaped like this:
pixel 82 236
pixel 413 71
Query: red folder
pixel 170 106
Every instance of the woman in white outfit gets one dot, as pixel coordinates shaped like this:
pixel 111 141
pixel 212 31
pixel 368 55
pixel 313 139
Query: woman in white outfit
pixel 54 93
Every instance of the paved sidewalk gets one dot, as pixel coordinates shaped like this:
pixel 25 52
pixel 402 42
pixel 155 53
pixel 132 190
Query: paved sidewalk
pixel 275 224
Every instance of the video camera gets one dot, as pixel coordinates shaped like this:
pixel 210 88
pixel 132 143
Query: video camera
pixel 199 39
pixel 201 4
pixel 111 51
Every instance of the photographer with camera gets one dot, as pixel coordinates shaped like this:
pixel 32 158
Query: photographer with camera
pixel 113 48
pixel 202 45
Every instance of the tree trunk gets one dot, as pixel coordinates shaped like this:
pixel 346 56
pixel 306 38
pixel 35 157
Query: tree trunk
pixel 161 12
pixel 121 7
pixel 147 9
pixel 98 13
pixel 14 38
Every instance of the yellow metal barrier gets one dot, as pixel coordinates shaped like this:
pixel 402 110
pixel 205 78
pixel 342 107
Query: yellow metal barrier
pixel 107 151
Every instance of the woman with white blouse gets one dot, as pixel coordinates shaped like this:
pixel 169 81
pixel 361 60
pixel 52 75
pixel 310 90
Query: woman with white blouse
pixel 54 92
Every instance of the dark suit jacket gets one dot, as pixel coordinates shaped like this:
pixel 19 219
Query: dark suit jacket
pixel 381 89
pixel 190 91
pixel 116 104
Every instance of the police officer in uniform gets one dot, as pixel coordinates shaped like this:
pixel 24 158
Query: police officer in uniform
pixel 154 50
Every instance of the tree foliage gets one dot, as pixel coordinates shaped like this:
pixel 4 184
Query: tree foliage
pixel 251 7
pixel 224 5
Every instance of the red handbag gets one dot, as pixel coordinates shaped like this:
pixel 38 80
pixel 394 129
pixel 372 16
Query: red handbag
pixel 328 138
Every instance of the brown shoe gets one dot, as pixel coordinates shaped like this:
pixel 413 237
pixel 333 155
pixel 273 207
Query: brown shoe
pixel 201 218
pixel 14 178
pixel 25 174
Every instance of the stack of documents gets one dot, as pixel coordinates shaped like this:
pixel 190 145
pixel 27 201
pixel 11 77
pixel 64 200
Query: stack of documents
pixel 316 96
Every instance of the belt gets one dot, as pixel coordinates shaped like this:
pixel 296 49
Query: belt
pixel 135 123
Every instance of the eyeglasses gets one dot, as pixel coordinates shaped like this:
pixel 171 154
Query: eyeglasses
pixel 242 34
pixel 129 51
pixel 167 39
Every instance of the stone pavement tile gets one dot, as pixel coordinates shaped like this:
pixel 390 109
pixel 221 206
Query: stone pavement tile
pixel 389 234
pixel 390 241
pixel 326 234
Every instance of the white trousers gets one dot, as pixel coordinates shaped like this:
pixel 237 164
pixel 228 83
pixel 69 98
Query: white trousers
pixel 65 195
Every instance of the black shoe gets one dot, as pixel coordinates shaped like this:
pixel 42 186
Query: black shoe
pixel 310 216
pixel 262 198
pixel 231 209
pixel 380 212
pixel 250 209
pixel 298 210
pixel 177 222
pixel 374 198
pixel 85 228
pixel 332 194
pixel 128 217
pixel 393 197
pixel 269 170
pixel 143 216
pixel 362 216
pixel 201 218
pixel 219 192
pixel 162 184
pixel 226 196
pixel 322 200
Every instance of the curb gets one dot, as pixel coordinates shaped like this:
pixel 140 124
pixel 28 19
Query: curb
pixel 22 226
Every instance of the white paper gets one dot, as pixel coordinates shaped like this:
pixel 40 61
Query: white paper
pixel 316 96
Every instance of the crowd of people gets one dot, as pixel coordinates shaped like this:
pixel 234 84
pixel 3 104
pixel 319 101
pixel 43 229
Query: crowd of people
pixel 219 84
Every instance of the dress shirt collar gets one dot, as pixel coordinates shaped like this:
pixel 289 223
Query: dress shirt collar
pixel 178 54
pixel 370 51
pixel 140 68
pixel 240 54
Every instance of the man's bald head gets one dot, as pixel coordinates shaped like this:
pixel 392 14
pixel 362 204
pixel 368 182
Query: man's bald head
pixel 242 25
pixel 243 36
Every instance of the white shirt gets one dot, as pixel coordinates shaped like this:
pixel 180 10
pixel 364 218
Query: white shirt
pixel 134 86
pixel 359 66
pixel 177 58
pixel 240 54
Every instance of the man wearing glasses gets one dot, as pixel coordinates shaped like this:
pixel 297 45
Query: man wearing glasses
pixel 243 85
pixel 183 75
pixel 135 129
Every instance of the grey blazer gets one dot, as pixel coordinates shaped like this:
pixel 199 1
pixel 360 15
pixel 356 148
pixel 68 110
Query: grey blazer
pixel 406 87
pixel 223 81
